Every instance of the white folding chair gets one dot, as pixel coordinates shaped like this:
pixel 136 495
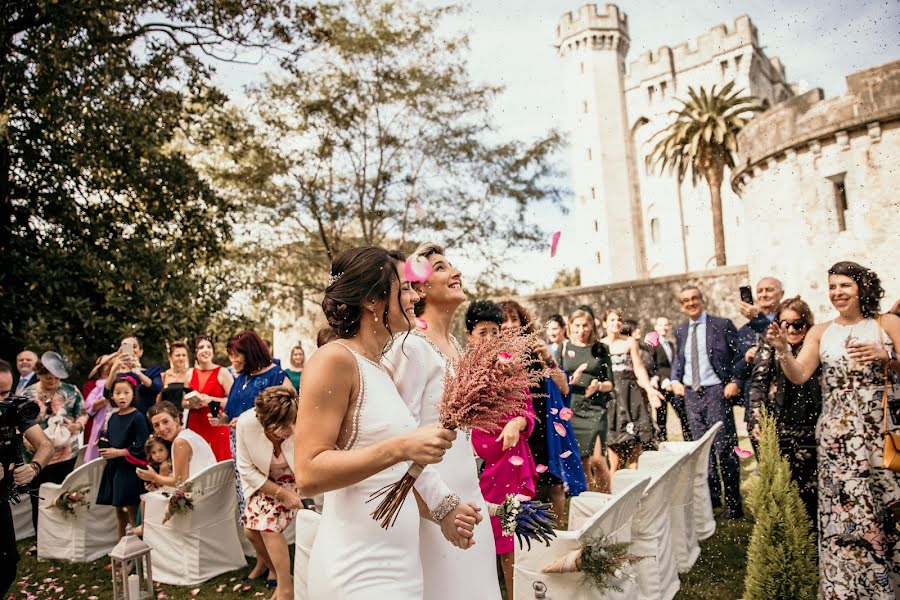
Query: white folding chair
pixel 195 546
pixel 88 534
pixel 21 514
pixel 611 518
pixel 651 527
pixel 306 524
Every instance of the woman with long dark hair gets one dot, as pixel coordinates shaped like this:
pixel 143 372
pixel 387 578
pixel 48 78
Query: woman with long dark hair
pixel 212 384
pixel 859 542
pixel 354 435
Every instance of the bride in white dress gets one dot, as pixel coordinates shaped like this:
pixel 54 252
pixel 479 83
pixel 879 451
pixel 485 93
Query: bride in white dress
pixel 354 435
pixel 418 364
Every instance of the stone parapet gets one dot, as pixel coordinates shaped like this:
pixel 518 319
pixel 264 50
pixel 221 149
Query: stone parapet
pixel 589 17
pixel 802 122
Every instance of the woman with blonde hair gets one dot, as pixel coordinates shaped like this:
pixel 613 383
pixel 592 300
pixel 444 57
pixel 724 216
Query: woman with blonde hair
pixel 587 362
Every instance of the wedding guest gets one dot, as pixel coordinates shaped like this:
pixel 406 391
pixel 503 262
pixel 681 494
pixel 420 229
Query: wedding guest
pixel 589 366
pixel 97 407
pixel 326 334
pixel 859 544
pixel 629 420
pixel 128 360
pixel 56 398
pixel 556 333
pixel 702 373
pixel 126 436
pixel 25 363
pixel 298 358
pixel 509 466
pixel 546 443
pixel 796 408
pixel 211 385
pixel 663 356
pixel 190 452
pixel 265 461
pixel 175 378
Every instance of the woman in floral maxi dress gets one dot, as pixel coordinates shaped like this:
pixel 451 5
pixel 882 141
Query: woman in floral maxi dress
pixel 859 542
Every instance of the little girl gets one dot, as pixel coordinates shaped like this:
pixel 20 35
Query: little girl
pixel 159 452
pixel 126 435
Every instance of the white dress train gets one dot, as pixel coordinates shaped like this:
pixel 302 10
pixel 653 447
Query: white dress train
pixel 450 573
pixel 352 557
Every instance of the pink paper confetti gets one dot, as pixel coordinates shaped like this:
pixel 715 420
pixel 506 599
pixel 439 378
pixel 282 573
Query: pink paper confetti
pixel 554 242
pixel 516 461
pixel 541 468
pixel 504 357
pixel 553 411
pixel 652 339
pixel 420 212
pixel 560 429
pixel 417 269
pixel 566 454
pixel 565 413
pixel 236 587
pixel 421 323
pixel 742 453
pixel 162 595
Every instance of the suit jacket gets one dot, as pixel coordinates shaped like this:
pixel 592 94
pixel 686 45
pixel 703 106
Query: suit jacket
pixel 661 364
pixel 721 347
pixel 31 380
pixel 749 335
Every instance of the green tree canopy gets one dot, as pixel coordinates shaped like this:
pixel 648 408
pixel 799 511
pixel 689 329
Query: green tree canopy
pixel 105 225
pixel 378 136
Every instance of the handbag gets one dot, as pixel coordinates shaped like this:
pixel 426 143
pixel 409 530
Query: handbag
pixel 891 455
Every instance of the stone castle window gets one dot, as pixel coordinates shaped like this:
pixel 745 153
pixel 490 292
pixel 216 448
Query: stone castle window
pixel 839 192
pixel 593 193
pixel 724 66
pixel 650 91
pixel 584 106
pixel 582 67
pixel 654 230
pixel 662 89
pixel 589 153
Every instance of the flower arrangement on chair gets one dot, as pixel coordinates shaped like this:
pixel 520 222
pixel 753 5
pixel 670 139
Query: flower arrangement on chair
pixel 70 501
pixel 181 500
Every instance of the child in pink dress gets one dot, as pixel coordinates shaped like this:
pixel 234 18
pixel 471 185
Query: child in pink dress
pixel 509 466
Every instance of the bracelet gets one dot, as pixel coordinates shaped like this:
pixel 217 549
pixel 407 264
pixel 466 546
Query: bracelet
pixel 36 466
pixel 779 355
pixel 551 364
pixel 450 502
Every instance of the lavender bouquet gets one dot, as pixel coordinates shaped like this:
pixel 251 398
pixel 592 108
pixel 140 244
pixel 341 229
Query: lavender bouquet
pixel 527 519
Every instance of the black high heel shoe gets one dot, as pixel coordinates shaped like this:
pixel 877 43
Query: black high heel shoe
pixel 262 575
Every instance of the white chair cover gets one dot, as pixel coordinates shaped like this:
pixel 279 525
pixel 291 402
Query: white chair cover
pixel 612 518
pixel 197 545
pixel 88 534
pixel 651 527
pixel 306 524
pixel 704 521
pixel 21 514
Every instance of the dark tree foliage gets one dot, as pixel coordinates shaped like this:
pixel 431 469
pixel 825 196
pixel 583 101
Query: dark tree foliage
pixel 106 226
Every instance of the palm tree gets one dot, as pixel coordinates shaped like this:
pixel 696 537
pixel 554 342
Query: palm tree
pixel 702 140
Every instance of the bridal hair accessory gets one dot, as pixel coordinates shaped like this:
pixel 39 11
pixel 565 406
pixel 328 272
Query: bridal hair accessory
pixel 333 278
pixel 489 382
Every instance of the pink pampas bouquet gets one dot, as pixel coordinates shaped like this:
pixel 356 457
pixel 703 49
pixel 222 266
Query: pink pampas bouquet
pixel 488 382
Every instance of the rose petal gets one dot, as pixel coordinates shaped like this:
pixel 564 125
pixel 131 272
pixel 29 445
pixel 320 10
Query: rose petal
pixel 421 323
pixel 554 242
pixel 742 453
pixel 516 461
pixel 565 413
pixel 566 454
pixel 195 591
pixel 420 212
pixel 560 429
pixel 417 269
pixel 652 339
pixel 541 468
pixel 504 357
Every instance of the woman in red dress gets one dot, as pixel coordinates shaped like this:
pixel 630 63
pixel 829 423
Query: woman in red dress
pixel 212 384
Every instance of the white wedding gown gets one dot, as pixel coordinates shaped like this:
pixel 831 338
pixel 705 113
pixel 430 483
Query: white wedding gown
pixel 352 557
pixel 450 573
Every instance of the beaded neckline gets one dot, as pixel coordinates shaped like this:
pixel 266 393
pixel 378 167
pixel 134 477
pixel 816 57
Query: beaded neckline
pixel 434 346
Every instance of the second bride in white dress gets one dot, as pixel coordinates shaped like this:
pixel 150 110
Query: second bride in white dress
pixel 354 435
pixel 418 363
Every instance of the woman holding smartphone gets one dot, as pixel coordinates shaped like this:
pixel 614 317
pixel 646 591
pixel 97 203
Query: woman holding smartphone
pixel 210 385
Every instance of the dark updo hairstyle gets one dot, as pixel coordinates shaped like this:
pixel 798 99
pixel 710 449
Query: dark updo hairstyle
pixel 358 276
pixel 256 352
pixel 628 327
pixel 561 321
pixel 870 290
pixel 483 311
pixel 512 308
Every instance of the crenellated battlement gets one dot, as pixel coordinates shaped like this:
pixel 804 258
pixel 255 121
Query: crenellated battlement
pixel 590 17
pixel 689 54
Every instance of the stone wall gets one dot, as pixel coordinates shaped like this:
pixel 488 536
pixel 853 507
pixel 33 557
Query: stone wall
pixel 646 299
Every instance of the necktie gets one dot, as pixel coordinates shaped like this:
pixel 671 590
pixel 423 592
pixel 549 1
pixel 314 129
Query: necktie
pixel 695 358
pixel 667 348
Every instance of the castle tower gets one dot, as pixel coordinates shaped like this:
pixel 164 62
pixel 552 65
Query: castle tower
pixel 592 45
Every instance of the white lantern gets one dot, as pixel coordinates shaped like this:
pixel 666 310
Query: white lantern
pixel 131 570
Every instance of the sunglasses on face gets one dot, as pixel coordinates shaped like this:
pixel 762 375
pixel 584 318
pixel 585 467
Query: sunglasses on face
pixel 798 325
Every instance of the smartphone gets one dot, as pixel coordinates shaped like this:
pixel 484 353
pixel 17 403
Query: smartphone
pixel 126 350
pixel 102 443
pixel 746 294
pixel 214 407
pixel 894 411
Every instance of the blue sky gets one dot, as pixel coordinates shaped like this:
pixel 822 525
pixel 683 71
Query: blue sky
pixel 820 42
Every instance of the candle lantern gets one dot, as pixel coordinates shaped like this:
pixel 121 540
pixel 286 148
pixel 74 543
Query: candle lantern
pixel 131 570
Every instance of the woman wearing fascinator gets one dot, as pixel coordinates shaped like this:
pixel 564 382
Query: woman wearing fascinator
pixel 354 435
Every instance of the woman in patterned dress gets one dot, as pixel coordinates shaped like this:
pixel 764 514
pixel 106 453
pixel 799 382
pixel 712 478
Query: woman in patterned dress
pixel 859 543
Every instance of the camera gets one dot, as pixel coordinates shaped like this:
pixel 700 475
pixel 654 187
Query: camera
pixel 15 411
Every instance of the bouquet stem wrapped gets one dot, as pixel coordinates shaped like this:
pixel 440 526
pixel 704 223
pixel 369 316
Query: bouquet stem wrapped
pixel 599 561
pixel 488 382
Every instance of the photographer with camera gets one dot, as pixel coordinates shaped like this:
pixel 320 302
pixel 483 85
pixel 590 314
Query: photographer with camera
pixel 17 418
